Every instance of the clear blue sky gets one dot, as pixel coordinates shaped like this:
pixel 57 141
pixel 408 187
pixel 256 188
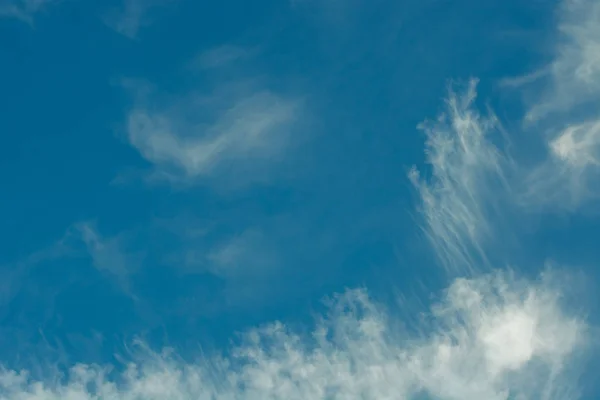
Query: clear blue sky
pixel 302 199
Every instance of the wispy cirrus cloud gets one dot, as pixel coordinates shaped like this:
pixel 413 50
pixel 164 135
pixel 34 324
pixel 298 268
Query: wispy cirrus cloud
pixel 253 129
pixel 467 178
pixel 472 174
pixel 234 129
pixel 566 95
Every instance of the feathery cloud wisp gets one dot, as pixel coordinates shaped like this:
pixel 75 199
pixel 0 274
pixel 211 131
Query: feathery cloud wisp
pixel 467 175
pixel 254 130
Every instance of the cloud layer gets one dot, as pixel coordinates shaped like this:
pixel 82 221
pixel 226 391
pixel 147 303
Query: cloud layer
pixel 489 338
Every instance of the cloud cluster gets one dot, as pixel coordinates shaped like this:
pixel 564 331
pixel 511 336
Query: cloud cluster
pixel 489 338
pixel 471 175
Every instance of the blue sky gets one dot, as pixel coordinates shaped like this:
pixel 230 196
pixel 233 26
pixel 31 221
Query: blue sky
pixel 299 199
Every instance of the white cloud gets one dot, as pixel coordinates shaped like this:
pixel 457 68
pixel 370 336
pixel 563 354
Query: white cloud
pixel 567 96
pixel 568 178
pixel 467 177
pixel 491 338
pixel 23 10
pixel 471 174
pixel 573 77
pixel 253 130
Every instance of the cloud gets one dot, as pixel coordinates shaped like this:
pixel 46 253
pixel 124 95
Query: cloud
pixel 490 338
pixel 23 10
pixel 475 183
pixel 467 178
pixel 252 130
pixel 566 96
pixel 132 16
pixel 573 77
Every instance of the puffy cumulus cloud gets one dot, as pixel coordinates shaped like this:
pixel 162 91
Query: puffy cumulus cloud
pixel 23 10
pixel 251 130
pixel 488 338
pixel 467 177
